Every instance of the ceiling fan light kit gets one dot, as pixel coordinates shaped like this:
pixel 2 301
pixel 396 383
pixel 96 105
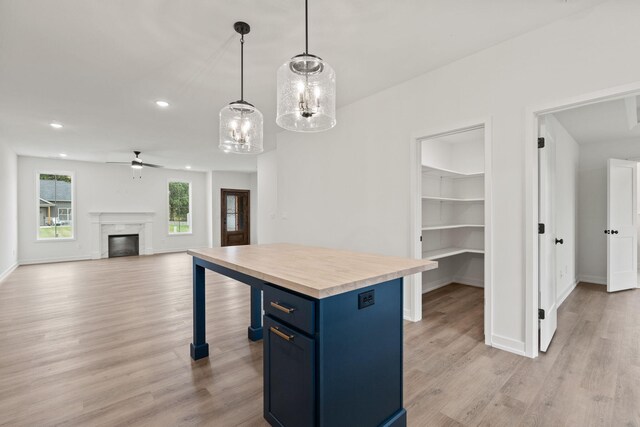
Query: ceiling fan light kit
pixel 137 165
pixel 241 124
pixel 306 91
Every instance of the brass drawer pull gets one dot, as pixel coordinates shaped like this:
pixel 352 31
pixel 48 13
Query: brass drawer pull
pixel 281 334
pixel 282 308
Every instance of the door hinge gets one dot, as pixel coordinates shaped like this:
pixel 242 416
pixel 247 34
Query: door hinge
pixel 540 142
pixel 421 238
pixel 540 314
pixel 540 228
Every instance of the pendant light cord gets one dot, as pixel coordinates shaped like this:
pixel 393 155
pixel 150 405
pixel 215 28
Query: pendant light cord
pixel 242 68
pixel 306 27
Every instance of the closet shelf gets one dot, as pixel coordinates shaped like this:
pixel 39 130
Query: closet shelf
pixel 452 199
pixel 447 252
pixel 451 226
pixel 432 170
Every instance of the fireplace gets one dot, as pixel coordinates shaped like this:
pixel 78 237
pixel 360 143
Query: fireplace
pixel 105 224
pixel 123 245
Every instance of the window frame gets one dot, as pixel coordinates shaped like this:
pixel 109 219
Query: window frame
pixel 180 233
pixel 73 206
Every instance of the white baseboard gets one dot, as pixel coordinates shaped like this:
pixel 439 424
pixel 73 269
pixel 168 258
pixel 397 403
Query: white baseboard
pixel 508 344
pixel 598 280
pixel 432 286
pixel 8 271
pixel 52 260
pixel 469 281
pixel 566 293
pixel 171 251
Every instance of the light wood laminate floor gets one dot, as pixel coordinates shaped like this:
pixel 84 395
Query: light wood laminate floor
pixel 107 343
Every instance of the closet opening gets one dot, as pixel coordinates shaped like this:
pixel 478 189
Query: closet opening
pixel 453 220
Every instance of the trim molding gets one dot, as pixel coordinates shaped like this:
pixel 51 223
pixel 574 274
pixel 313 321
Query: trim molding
pixel 432 286
pixel 8 271
pixel 52 260
pixel 171 250
pixel 566 293
pixel 598 280
pixel 468 281
pixel 508 344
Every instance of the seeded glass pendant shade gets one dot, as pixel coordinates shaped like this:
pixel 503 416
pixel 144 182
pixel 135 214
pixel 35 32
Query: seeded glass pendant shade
pixel 306 92
pixel 240 122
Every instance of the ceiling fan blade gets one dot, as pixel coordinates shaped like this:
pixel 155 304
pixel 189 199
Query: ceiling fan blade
pixel 152 165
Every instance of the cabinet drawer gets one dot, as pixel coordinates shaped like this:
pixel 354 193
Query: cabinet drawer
pixel 289 308
pixel 289 370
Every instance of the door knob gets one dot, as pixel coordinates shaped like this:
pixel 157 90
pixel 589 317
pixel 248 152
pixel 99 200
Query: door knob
pixel 561 241
pixel 614 231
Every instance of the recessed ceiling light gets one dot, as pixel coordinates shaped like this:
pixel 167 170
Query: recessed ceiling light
pixel 62 155
pixel 187 167
pixel 162 104
pixel 55 125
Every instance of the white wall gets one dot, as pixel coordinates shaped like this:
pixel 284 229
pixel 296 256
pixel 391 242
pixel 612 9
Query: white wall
pixel 236 181
pixel 110 188
pixel 592 208
pixel 566 207
pixel 350 187
pixel 465 157
pixel 267 178
pixel 9 212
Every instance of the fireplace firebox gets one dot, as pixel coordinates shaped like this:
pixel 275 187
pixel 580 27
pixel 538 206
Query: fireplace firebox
pixel 124 245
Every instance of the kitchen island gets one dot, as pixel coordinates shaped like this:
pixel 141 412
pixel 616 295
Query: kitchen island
pixel 333 329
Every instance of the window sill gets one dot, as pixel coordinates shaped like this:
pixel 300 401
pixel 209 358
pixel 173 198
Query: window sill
pixel 180 234
pixel 58 239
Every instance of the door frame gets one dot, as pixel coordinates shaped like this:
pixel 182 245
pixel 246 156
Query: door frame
pixel 413 284
pixel 532 115
pixel 222 220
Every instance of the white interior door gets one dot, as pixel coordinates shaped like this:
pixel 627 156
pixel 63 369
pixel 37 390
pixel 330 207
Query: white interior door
pixel 546 241
pixel 622 222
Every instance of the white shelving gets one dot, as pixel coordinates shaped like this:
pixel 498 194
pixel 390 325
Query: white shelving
pixel 447 252
pixel 448 173
pixel 451 226
pixel 453 208
pixel 453 199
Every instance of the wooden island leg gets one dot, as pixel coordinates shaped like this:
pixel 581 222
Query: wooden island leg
pixel 255 329
pixel 199 346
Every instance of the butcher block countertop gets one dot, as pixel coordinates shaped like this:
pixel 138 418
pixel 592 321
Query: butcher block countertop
pixel 312 271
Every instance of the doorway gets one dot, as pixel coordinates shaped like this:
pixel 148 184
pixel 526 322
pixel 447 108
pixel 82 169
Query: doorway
pixel 587 202
pixel 235 215
pixel 452 221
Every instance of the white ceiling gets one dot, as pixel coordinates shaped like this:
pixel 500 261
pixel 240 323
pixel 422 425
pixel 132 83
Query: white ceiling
pixel 98 66
pixel 602 122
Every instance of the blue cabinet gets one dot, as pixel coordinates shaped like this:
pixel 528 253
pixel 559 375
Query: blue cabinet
pixel 289 374
pixel 335 361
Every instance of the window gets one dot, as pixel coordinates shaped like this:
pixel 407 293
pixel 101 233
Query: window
pixel 55 206
pixel 179 207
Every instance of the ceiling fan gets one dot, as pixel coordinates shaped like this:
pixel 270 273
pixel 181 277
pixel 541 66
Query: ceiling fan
pixel 137 162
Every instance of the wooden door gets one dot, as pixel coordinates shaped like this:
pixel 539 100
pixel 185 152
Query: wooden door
pixel 622 225
pixel 235 219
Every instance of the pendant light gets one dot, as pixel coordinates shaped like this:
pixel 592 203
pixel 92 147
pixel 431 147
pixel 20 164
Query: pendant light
pixel 241 122
pixel 306 91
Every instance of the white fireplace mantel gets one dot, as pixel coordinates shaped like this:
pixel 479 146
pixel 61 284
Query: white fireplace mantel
pixel 105 224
